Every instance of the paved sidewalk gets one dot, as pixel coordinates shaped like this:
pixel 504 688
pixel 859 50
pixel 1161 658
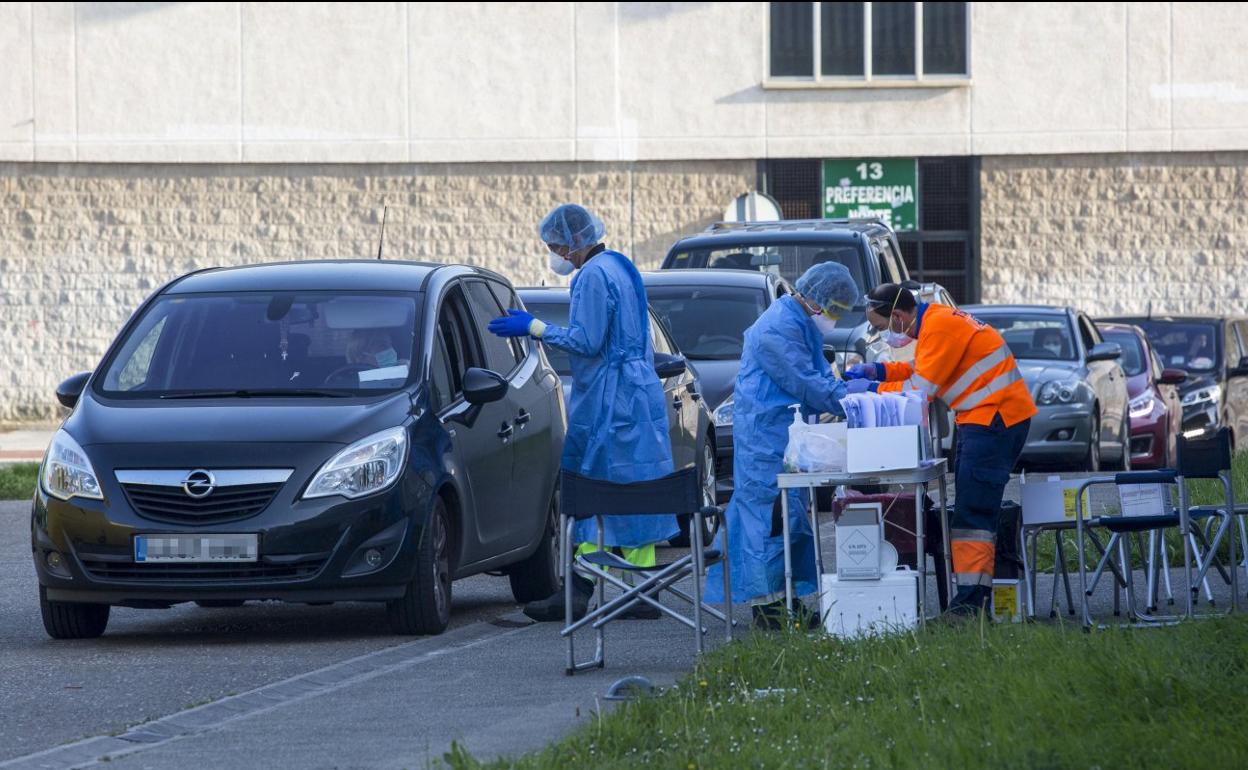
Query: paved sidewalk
pixel 24 446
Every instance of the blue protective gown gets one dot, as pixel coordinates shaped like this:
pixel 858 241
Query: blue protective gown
pixel 782 364
pixel 617 416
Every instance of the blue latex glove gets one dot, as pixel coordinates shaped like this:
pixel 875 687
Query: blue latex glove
pixel 865 372
pixel 515 324
pixel 859 386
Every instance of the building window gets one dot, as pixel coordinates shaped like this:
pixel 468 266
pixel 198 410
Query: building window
pixel 846 42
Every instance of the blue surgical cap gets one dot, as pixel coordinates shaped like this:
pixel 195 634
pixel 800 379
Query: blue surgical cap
pixel 572 226
pixel 827 284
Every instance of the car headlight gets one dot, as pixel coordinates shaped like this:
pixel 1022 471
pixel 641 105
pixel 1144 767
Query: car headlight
pixel 1058 392
pixel 67 472
pixel 1142 405
pixel 367 466
pixel 1212 394
pixel 723 414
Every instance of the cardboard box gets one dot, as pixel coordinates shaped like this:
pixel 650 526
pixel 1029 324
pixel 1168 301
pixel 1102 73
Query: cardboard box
pixel 859 531
pixel 895 448
pixel 854 608
pixel 1007 601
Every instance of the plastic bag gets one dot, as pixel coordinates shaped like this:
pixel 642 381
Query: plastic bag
pixel 818 448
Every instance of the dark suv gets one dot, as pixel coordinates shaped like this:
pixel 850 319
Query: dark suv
pixel 309 432
pixel 868 248
pixel 1214 352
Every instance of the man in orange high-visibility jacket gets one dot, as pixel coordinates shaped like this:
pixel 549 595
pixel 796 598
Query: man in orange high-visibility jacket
pixel 967 365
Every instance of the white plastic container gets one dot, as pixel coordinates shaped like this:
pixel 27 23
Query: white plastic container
pixel 859 532
pixel 870 450
pixel 855 608
pixel 1007 601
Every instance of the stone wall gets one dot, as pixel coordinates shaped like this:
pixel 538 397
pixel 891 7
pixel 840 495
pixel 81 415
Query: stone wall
pixel 1117 233
pixel 81 245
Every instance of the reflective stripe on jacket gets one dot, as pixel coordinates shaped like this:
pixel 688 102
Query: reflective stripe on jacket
pixel 967 365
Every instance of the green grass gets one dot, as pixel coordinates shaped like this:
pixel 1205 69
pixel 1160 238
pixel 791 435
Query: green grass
pixel 969 697
pixel 17 482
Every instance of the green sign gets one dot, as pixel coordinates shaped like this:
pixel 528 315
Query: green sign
pixel 880 188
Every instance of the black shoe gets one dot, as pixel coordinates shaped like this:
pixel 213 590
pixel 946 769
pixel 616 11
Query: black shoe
pixel 641 611
pixel 551 609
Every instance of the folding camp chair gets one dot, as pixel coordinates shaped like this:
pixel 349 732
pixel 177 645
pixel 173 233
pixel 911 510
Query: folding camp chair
pixel 1209 459
pixel 583 498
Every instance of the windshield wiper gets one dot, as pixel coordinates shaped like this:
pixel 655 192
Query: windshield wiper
pixel 275 393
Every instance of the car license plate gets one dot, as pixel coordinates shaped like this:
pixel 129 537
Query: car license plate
pixel 196 548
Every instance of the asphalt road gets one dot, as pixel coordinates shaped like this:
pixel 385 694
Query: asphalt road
pixel 154 662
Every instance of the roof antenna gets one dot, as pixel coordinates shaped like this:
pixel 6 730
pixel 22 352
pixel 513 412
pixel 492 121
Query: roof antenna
pixel 382 241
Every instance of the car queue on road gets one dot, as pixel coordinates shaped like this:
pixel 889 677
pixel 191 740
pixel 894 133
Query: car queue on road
pixel 371 440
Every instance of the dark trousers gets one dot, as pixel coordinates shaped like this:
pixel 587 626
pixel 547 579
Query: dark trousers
pixel 985 457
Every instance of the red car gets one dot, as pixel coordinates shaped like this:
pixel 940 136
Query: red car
pixel 1155 411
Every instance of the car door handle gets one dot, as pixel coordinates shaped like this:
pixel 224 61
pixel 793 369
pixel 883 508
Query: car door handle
pixel 523 417
pixel 505 432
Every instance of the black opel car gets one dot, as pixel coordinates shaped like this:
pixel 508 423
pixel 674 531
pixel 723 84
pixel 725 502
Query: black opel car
pixel 308 432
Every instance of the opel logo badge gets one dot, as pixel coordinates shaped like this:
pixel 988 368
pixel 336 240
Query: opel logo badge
pixel 198 484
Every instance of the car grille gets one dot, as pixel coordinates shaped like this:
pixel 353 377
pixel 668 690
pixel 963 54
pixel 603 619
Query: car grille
pixel 172 504
pixel 200 574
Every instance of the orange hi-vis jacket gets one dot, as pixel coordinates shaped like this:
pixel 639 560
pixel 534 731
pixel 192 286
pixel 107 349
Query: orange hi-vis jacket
pixel 967 365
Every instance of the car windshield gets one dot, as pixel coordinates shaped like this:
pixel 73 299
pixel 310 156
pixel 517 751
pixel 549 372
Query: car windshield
pixel 553 313
pixel 1034 335
pixel 1191 346
pixel 265 344
pixel 788 260
pixel 1133 355
pixel 708 322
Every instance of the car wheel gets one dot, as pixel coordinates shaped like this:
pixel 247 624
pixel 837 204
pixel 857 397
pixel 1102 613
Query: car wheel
pixel 537 577
pixel 706 481
pixel 70 620
pixel 426 605
pixel 1124 462
pixel 219 603
pixel 1092 460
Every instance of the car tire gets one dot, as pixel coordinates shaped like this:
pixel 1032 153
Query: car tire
pixel 71 620
pixel 426 604
pixel 1092 460
pixel 706 483
pixel 1124 462
pixel 537 577
pixel 212 604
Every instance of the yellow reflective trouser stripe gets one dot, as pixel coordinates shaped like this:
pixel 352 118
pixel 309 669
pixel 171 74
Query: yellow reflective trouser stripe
pixel 973 579
pixel 974 400
pixel 638 557
pixel 977 370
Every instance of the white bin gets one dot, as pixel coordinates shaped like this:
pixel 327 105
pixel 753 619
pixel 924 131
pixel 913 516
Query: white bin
pixel 853 608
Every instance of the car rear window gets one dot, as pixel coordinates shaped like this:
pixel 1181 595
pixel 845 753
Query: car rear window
pixel 256 343
pixel 788 260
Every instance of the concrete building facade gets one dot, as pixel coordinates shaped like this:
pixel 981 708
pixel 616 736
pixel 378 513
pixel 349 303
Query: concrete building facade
pixel 1100 149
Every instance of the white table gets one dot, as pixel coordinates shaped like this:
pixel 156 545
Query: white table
pixel 920 478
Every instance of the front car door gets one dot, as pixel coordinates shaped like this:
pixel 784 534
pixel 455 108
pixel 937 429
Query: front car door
pixel 1237 379
pixel 481 436
pixel 682 417
pixel 1109 384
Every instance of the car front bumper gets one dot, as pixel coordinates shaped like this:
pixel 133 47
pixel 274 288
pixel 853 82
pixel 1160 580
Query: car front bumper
pixel 309 551
pixel 1046 443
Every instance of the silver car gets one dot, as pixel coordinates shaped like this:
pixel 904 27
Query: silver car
pixel 1076 381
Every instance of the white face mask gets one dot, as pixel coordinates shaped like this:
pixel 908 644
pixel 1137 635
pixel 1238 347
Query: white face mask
pixel 1056 350
pixel 560 264
pixel 895 339
pixel 824 324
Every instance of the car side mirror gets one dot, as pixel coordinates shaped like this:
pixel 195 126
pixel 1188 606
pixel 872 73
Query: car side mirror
pixel 667 366
pixel 69 391
pixel 1172 377
pixel 1105 351
pixel 482 386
